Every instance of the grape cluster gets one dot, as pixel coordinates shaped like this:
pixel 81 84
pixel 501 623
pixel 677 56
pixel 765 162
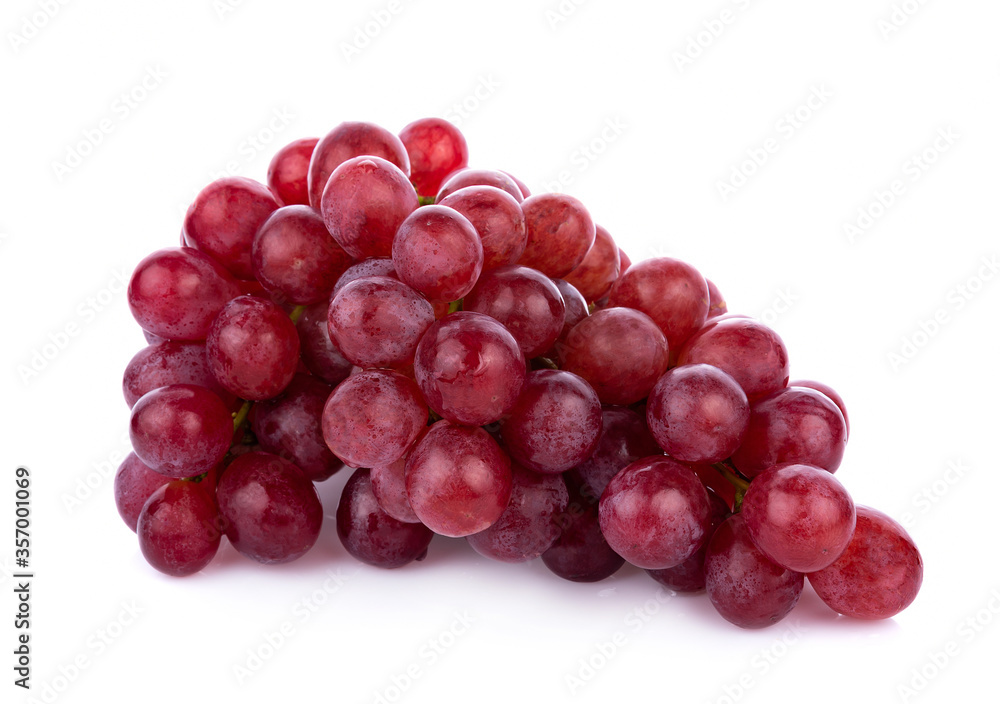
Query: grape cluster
pixel 495 368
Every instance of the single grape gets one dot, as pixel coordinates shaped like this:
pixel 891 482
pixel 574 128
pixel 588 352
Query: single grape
pixel 498 219
pixel 175 293
pixel 373 266
pixel 171 362
pixel 288 172
pixel 373 418
pixel 689 576
pixel 224 218
pixel 349 140
pixel 270 509
pixel 554 424
pixel 599 269
pixel 458 479
pixel 320 354
pixel 290 426
pixel 560 233
pixel 576 310
pixel 878 574
pixel 389 487
pixel 253 348
pixel 469 368
pixel 792 425
pixel 748 351
pixel 655 513
pixel 698 413
pixel 134 483
pixel 295 258
pixel 799 516
pixel 669 291
pixel 373 536
pixel 464 178
pixel 180 430
pixel 179 529
pixel 745 587
pixel 438 252
pixel 377 321
pixel 580 553
pixel 436 148
pixel 830 394
pixel 527 527
pixel 364 203
pixel 525 301
pixel 620 373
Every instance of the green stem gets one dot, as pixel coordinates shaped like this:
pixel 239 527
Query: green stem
pixel 455 306
pixel 739 483
pixel 296 313
pixel 241 415
pixel 425 200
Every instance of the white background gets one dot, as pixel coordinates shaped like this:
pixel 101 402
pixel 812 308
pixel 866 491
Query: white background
pixel 592 101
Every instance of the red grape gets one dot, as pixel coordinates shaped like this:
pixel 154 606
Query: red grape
pixel 580 553
pixel 179 529
pixel 464 178
pixel 346 141
pixel 320 354
pixel 599 269
pixel 497 218
pixel 170 362
pixel 288 172
pixel 830 394
pixel 624 439
pixel 435 148
pixel 134 483
pixel 438 252
pixel 560 233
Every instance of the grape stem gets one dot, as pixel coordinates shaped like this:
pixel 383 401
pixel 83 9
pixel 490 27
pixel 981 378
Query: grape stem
pixel 741 485
pixel 241 415
pixel 425 200
pixel 455 306
pixel 296 313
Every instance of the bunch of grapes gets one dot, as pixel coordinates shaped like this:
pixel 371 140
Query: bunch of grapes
pixel 493 367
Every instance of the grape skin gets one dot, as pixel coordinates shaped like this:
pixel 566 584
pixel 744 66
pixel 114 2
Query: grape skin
pixel 179 529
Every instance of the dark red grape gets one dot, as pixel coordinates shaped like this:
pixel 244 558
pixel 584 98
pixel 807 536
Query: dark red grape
pixel 744 586
pixel 288 172
pixel 458 479
pixel 289 425
pixel 253 348
pixel 599 269
pixel 748 351
pixel 624 439
pixel 669 291
pixel 364 203
pixel 698 413
pixel 134 483
pixel 175 293
pixel 799 516
pixel 320 354
pixel 270 509
pixel 497 218
pixel 294 256
pixel 224 218
pixel 435 148
pixel 464 178
pixel 528 526
pixel 878 574
pixel 576 310
pixel 438 252
pixel 373 536
pixel 621 372
pixel 554 424
pixel 347 141
pixel 655 513
pixel 560 233
pixel 689 576
pixel 179 529
pixel 170 362
pixel 377 321
pixel 469 368
pixel 373 418
pixel 526 301
pixel 793 425
pixel 181 430
pixel 580 553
